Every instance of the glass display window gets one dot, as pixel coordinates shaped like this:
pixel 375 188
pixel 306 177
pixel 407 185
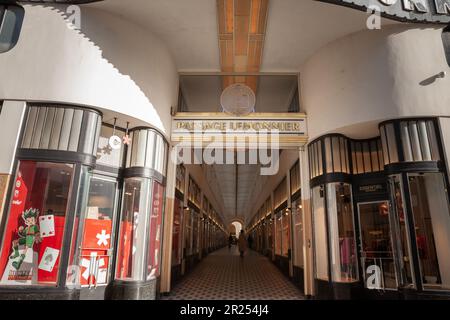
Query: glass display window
pixel 429 202
pixel 98 233
pixel 278 234
pixel 177 232
pixel 155 235
pixel 195 232
pixel 297 220
pixel 342 233
pixel 320 234
pixel 286 235
pixel 33 240
pixel 401 237
pixel 133 228
pixel 188 232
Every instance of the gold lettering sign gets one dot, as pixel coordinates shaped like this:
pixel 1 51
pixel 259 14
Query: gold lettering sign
pixel 208 127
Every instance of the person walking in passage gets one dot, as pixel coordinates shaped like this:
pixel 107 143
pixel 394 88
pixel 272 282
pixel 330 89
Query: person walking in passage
pixel 242 243
pixel 230 241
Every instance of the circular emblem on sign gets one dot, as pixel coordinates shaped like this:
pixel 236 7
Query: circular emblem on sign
pixel 115 142
pixel 238 99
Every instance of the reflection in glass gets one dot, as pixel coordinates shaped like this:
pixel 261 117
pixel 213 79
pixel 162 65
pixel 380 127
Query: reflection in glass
pixel 278 234
pixel 132 244
pixel 297 217
pixel 176 232
pixel 432 224
pixel 342 234
pixel 33 238
pixel 401 234
pixel 286 236
pixel 376 241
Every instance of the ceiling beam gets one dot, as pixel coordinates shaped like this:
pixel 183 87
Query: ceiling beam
pixel 242 29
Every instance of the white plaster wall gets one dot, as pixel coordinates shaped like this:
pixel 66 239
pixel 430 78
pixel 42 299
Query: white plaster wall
pixel 11 117
pixel 110 64
pixel 354 82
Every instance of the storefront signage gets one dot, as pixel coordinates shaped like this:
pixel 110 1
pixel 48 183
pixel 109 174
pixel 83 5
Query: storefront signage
pixel 431 11
pixel 372 188
pixel 289 127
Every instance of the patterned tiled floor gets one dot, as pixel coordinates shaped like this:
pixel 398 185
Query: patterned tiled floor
pixel 223 275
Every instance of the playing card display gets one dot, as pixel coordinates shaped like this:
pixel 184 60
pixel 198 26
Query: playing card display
pixel 47 226
pixel 48 260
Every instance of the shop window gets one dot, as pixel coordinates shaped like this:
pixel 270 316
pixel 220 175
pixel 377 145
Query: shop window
pixel 176 232
pixel 278 234
pixel 342 233
pixel 33 239
pixel 320 234
pixel 11 19
pixel 180 178
pixel 195 233
pixel 401 233
pixel 97 237
pixel 446 42
pixel 133 226
pixel 155 235
pixel 188 232
pixel 286 236
pixel 297 219
pixel 429 203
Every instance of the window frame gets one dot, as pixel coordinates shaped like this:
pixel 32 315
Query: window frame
pixel 17 28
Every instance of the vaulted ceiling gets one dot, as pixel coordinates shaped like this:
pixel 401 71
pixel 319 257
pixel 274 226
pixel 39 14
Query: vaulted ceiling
pixel 294 29
pixel 238 36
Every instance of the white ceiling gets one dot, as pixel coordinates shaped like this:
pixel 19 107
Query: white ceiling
pixel 295 29
pixel 222 181
pixel 188 27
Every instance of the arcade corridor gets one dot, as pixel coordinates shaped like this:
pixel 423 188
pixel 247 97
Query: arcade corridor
pixel 223 275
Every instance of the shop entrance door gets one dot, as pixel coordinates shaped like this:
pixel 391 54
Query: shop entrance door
pixel 376 243
pixel 96 251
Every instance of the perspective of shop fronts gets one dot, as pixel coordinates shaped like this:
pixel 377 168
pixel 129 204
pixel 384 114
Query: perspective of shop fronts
pixel 383 203
pixel 73 177
pixel 278 226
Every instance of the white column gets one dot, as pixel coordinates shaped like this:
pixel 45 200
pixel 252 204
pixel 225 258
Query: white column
pixel 307 222
pixel 166 264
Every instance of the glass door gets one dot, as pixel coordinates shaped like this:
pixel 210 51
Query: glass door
pixel 98 233
pixel 400 234
pixel 376 243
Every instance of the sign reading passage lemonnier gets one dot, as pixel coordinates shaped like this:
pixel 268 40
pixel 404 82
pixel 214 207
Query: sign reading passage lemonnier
pixel 290 128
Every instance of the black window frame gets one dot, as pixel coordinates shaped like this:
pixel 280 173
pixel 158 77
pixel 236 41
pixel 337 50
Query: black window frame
pixel 446 43
pixel 18 26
